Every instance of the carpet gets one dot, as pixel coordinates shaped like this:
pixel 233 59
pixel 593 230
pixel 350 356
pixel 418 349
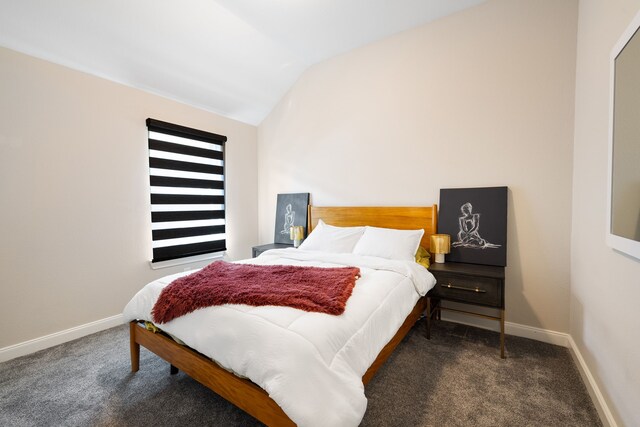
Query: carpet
pixel 455 379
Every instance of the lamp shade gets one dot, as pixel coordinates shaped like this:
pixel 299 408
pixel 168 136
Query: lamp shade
pixel 297 234
pixel 440 244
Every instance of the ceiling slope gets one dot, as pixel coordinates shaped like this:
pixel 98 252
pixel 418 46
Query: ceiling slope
pixel 236 58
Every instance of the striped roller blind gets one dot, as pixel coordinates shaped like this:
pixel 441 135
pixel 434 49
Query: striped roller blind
pixel 186 169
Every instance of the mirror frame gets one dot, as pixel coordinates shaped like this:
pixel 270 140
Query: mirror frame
pixel 619 243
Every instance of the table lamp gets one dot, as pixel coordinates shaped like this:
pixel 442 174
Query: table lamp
pixel 296 234
pixel 440 245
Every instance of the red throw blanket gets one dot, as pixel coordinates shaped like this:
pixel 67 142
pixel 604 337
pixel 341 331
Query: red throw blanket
pixel 324 290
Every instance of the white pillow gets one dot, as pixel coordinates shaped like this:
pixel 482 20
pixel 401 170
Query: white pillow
pixel 328 238
pixel 389 243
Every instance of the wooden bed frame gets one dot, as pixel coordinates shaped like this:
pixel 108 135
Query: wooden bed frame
pixel 245 394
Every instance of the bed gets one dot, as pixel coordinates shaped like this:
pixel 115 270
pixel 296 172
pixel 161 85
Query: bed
pixel 233 381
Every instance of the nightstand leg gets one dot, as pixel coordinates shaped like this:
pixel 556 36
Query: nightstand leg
pixel 502 333
pixel 428 318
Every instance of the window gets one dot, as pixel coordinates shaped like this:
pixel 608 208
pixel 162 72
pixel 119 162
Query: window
pixel 186 170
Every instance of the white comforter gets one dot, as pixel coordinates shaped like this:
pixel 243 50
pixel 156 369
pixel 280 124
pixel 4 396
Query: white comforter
pixel 311 364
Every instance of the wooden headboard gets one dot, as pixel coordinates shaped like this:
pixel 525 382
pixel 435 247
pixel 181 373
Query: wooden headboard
pixel 402 218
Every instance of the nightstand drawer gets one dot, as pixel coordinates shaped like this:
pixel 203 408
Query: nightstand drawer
pixel 475 290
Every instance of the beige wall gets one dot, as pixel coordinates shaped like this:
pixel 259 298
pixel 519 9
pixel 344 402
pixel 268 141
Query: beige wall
pixel 482 98
pixel 75 223
pixel 605 285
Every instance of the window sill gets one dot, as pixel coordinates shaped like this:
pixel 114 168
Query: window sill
pixel 188 260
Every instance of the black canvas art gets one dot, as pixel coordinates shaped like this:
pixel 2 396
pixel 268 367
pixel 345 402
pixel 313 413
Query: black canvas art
pixel 291 210
pixel 476 220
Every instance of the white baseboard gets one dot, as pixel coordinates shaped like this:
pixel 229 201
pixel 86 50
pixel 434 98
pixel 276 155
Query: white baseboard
pixel 544 335
pixel 594 391
pixel 37 344
pixel 550 337
pixel 510 328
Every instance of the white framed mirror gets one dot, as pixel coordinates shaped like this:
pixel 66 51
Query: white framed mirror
pixel 623 213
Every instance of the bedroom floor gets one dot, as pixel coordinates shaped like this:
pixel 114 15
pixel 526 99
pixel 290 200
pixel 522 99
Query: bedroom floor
pixel 454 379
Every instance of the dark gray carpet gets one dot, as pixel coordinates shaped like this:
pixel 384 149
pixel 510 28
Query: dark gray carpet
pixel 454 379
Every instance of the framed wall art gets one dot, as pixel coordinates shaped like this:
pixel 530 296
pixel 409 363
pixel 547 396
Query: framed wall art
pixel 291 209
pixel 476 220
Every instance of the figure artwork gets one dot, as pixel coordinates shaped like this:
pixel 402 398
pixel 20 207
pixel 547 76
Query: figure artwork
pixel 291 211
pixel 289 216
pixel 469 235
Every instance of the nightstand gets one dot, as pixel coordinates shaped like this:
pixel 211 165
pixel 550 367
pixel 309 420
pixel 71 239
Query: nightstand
pixel 479 285
pixel 257 250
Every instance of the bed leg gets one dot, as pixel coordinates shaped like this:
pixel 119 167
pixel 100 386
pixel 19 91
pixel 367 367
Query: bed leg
pixel 173 370
pixel 134 347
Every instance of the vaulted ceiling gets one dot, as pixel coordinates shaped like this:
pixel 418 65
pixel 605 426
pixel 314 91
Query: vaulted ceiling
pixel 233 57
